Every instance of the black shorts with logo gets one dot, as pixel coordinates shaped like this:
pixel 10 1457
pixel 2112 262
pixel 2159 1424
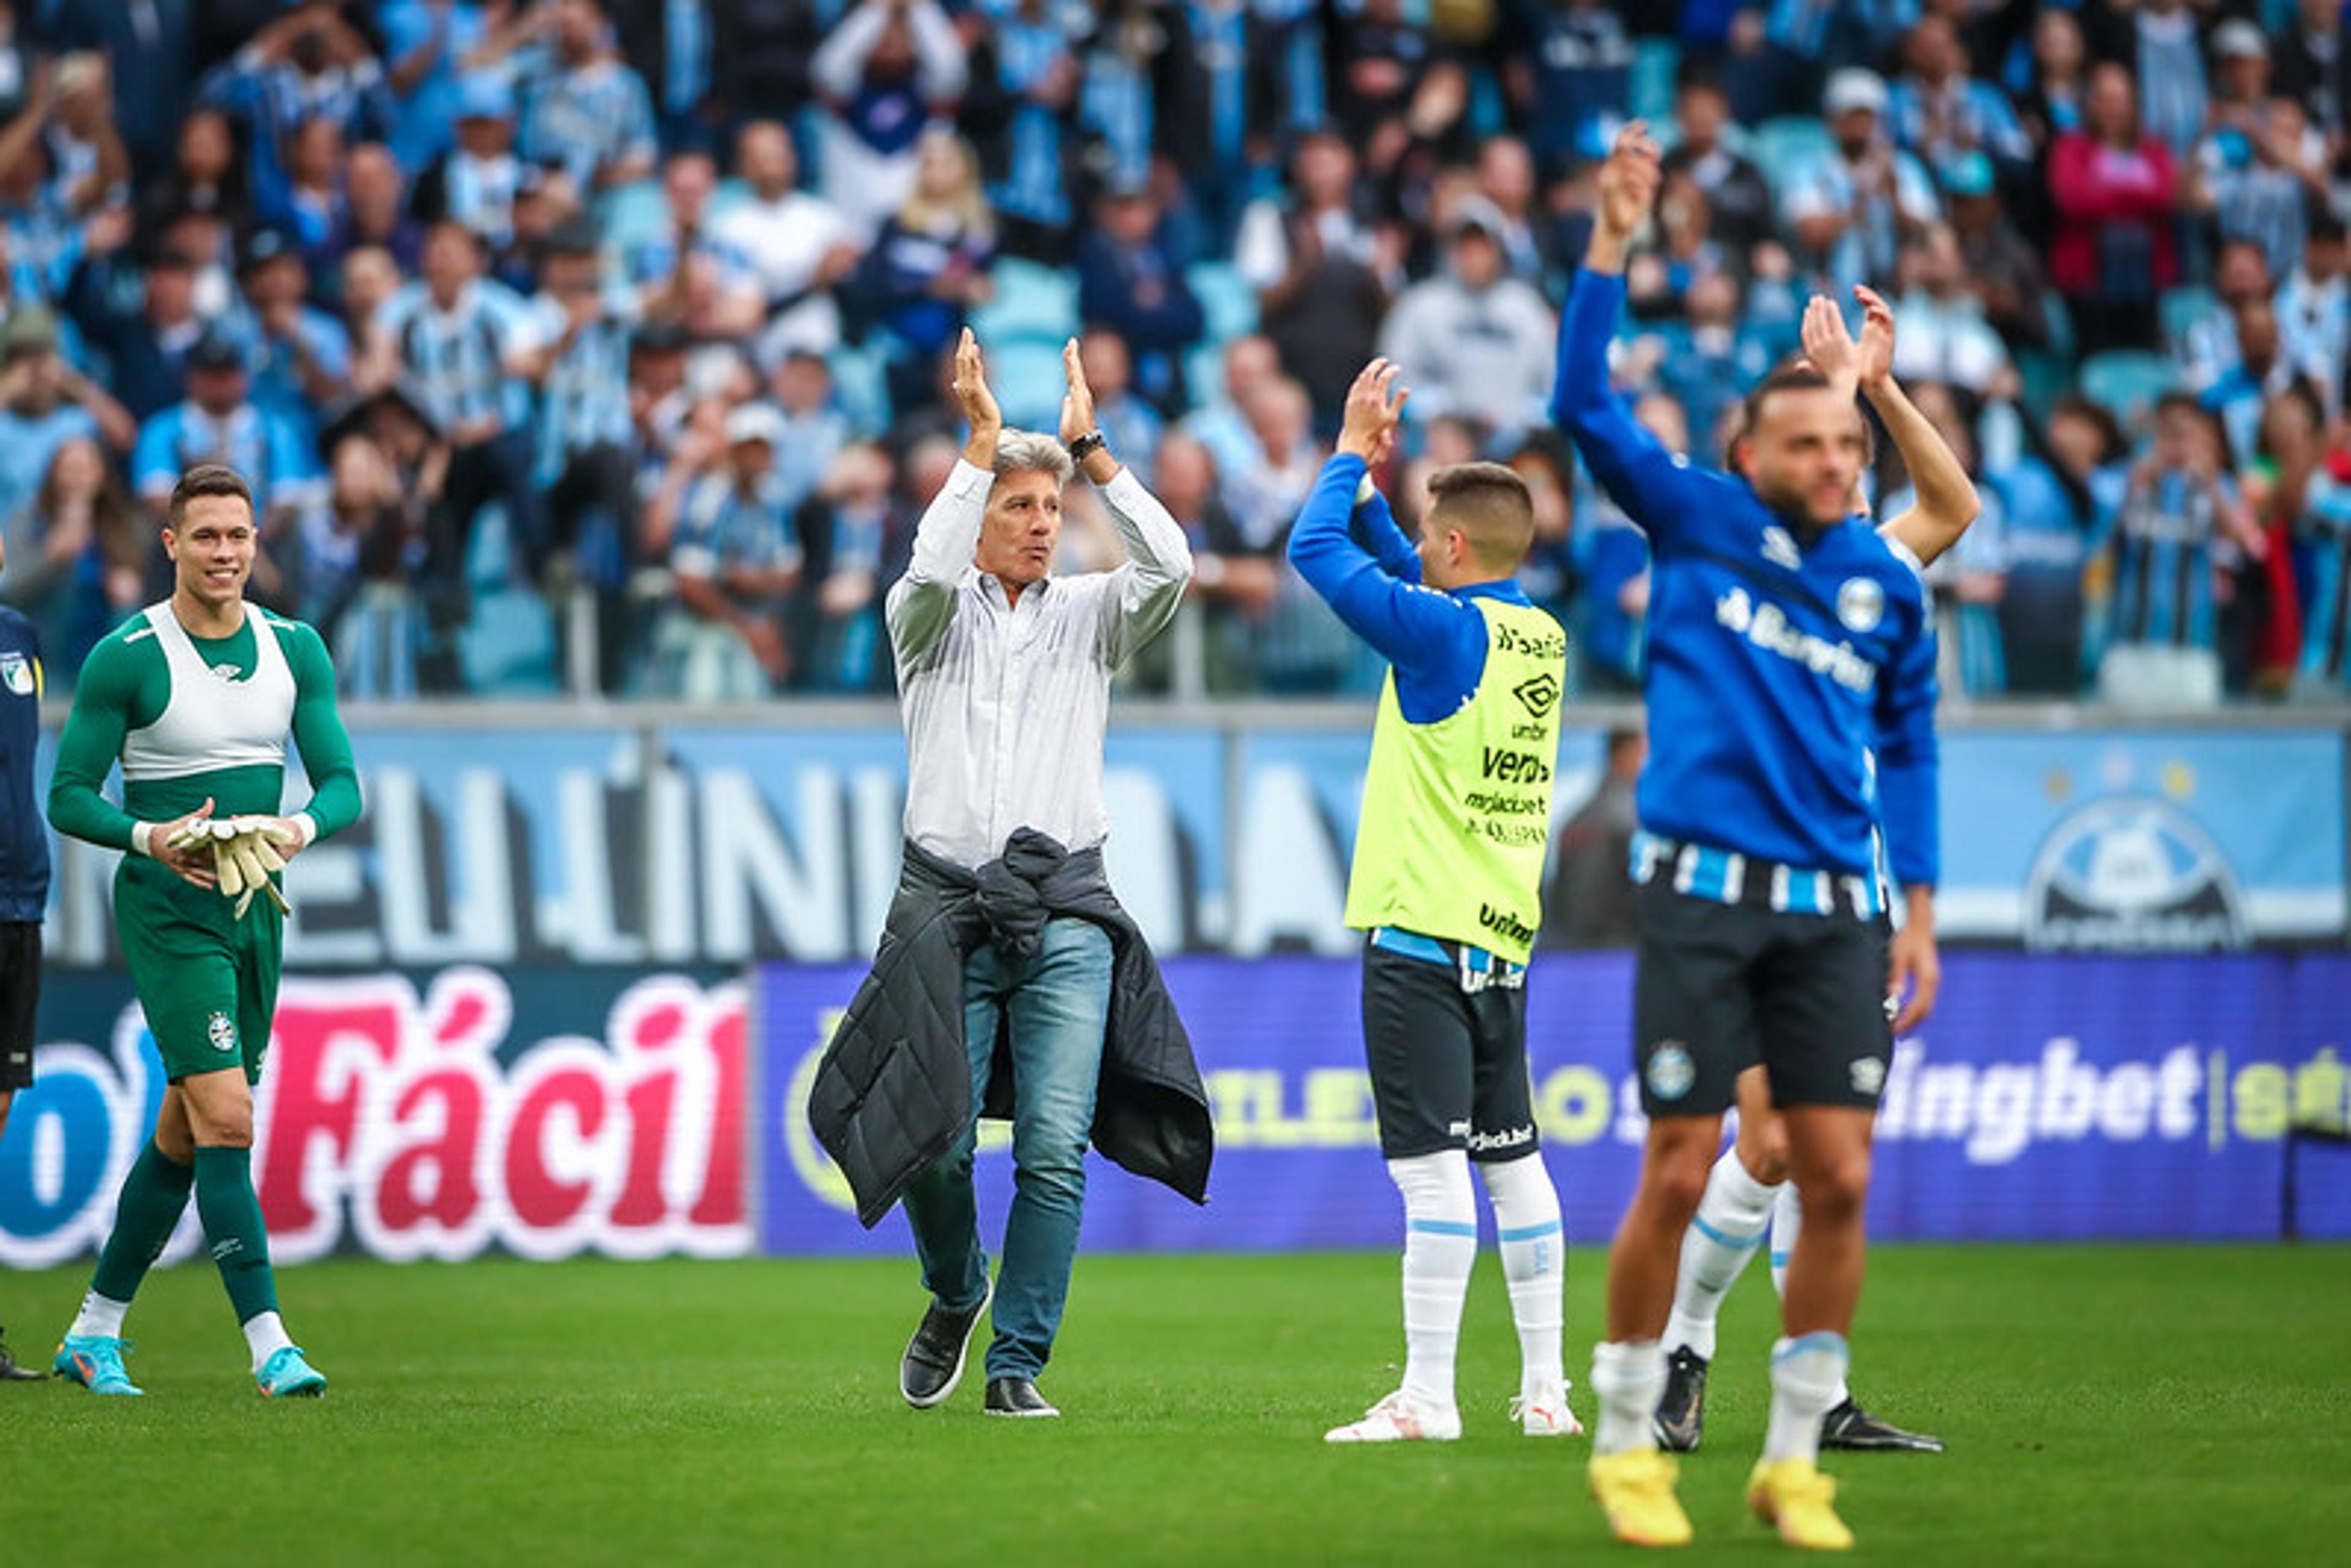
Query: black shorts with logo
pixel 1721 986
pixel 1449 1064
pixel 20 1000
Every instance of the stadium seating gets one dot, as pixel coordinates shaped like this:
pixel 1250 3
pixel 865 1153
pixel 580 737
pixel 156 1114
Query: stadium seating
pixel 1785 147
pixel 2182 307
pixel 1033 304
pixel 1230 304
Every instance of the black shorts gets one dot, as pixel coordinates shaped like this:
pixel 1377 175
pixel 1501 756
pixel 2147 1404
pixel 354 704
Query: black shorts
pixel 20 1000
pixel 1448 1066
pixel 1722 986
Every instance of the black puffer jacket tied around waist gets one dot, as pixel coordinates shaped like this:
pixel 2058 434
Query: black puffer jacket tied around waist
pixel 894 1091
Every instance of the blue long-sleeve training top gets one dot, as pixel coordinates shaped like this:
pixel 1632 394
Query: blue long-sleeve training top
pixel 1775 662
pixel 1435 641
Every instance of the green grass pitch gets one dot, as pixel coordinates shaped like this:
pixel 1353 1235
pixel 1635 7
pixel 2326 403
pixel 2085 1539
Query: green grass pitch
pixel 2108 1405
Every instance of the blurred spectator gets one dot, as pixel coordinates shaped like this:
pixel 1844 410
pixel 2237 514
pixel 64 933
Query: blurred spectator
pixel 2257 178
pixel 308 65
pixel 1591 898
pixel 2059 503
pixel 2208 348
pixel 476 181
pixel 44 403
pixel 2000 267
pixel 1265 484
pixel 734 560
pixel 425 46
pixel 206 177
pixel 2314 309
pixel 760 52
pixel 1131 426
pixel 1130 282
pixel 1853 207
pixel 1022 111
pixel 1572 74
pixel 2323 559
pixel 220 423
pixel 886 69
pixel 309 200
pixel 574 348
pixel 145 337
pixel 2287 460
pixel 360 551
pixel 1738 197
pixel 77 555
pixel 2114 189
pixel 850 528
pixel 1222 424
pixel 1705 359
pixel 300 356
pixel 1548 573
pixel 448 339
pixel 1938 112
pixel 2056 85
pixel 2181 511
pixel 92 169
pixel 1236 581
pixel 374 211
pixel 149 46
pixel 1473 341
pixel 2311 66
pixel 812 433
pixel 797 247
pixel 660 263
pixel 584 111
pixel 2261 372
pixel 929 265
pixel 1944 336
pixel 1506 179
pixel 2168 59
pixel 1323 277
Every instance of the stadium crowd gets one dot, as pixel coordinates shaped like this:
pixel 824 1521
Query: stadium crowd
pixel 601 344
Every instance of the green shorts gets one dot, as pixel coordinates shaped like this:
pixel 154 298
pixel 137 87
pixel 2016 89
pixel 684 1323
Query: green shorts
pixel 207 980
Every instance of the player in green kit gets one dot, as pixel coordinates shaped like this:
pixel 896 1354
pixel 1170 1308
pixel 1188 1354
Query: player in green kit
pixel 194 697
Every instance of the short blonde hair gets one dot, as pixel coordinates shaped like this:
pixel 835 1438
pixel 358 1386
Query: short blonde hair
pixel 1026 452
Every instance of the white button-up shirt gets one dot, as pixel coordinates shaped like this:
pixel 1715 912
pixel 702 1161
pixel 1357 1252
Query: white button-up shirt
pixel 1006 703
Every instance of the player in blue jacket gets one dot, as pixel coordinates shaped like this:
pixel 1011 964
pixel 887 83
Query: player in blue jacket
pixel 1787 639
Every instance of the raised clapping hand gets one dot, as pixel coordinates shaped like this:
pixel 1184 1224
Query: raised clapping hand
pixel 1866 365
pixel 1078 406
pixel 1368 426
pixel 1628 182
pixel 978 403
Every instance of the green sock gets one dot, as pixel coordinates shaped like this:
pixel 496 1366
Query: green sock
pixel 154 1195
pixel 232 1215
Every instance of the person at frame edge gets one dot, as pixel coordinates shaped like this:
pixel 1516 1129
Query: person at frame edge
pixel 1009 980
pixel 24 876
pixel 1786 635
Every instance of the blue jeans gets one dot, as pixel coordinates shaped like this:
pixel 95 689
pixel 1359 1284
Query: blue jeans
pixel 1056 1004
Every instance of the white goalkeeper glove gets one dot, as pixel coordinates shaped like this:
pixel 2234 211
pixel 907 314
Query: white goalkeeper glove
pixel 245 853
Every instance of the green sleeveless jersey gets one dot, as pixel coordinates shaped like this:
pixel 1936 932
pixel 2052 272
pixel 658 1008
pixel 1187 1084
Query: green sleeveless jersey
pixel 1457 813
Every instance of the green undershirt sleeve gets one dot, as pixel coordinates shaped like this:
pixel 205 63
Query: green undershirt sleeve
pixel 320 735
pixel 103 703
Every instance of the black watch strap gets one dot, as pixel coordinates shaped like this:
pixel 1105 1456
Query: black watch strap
pixel 1086 445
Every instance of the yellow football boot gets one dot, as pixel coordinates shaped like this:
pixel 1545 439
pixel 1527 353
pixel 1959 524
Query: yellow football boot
pixel 1636 1492
pixel 1794 1497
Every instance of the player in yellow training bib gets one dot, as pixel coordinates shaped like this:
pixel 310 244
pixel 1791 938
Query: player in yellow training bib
pixel 194 697
pixel 1447 885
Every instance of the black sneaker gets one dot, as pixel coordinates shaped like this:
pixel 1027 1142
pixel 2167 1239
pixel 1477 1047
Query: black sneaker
pixel 1855 1429
pixel 1017 1396
pixel 933 1364
pixel 12 1372
pixel 1680 1421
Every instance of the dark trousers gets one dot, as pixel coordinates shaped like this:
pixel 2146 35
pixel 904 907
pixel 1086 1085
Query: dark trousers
pixel 592 510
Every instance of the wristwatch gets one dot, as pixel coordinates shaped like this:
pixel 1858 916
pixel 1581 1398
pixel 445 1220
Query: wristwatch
pixel 1086 445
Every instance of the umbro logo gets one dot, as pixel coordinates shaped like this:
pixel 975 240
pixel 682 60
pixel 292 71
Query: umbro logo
pixel 1779 548
pixel 1539 693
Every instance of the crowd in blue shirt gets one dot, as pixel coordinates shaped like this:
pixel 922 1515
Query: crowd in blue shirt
pixel 596 345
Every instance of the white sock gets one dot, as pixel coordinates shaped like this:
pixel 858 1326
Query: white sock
pixel 1534 1263
pixel 1806 1375
pixel 1733 1220
pixel 101 1318
pixel 265 1335
pixel 1440 1244
pixel 1629 1378
pixel 1787 1218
